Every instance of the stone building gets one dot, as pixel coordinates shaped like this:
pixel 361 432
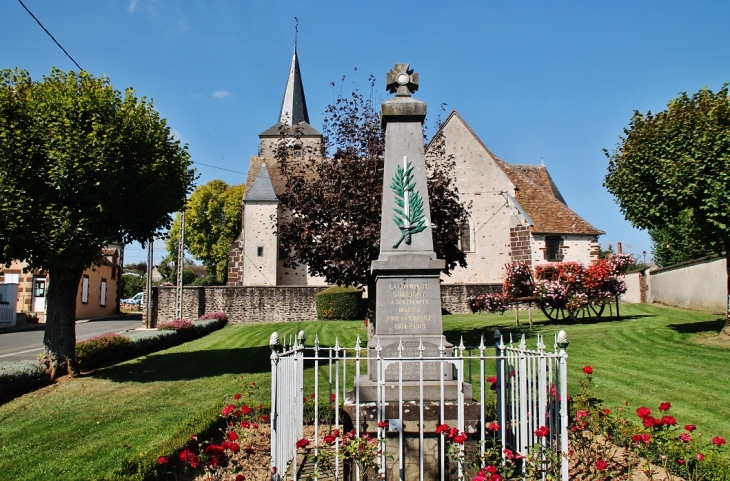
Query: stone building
pixel 516 211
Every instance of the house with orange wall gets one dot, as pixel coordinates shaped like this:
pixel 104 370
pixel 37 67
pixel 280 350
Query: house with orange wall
pixel 96 296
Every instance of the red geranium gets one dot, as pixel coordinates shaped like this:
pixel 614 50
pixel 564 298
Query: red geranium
pixel 601 465
pixel 236 397
pixel 700 457
pixel 240 477
pixel 718 441
pixel 228 410
pixel 665 406
pixel 442 428
pixel 383 424
pixel 685 438
pixel 588 370
pixel 163 460
pixel 493 426
pixel 302 443
pixel 542 431
pixel 460 438
pixel 690 427
pixel 249 450
pixel 231 436
pixel 495 477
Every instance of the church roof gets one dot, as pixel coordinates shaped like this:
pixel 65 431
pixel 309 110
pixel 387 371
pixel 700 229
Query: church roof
pixel 260 187
pixel 293 117
pixel 537 194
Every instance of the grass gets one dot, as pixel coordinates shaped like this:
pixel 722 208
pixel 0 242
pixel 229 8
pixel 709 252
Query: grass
pixel 86 428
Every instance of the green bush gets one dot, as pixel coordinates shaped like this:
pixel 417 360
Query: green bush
pixel 20 377
pixel 104 350
pixel 338 302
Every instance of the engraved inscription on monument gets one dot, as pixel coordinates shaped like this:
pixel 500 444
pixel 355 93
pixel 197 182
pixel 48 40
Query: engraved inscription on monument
pixel 409 305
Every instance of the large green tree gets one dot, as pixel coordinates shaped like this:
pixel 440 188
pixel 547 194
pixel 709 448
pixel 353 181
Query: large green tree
pixel 333 206
pixel 81 166
pixel 671 171
pixel 212 223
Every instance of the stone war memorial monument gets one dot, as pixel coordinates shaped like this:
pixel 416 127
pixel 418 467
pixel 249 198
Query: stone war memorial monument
pixel 408 324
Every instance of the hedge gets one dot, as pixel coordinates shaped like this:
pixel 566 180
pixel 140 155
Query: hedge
pixel 21 377
pixel 338 302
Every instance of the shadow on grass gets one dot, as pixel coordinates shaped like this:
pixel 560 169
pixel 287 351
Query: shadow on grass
pixel 186 366
pixel 702 326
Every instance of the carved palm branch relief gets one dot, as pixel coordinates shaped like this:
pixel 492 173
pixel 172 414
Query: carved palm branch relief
pixel 409 211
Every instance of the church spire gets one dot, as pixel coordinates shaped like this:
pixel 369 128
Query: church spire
pixel 294 106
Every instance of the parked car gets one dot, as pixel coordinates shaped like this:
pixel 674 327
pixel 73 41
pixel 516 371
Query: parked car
pixel 136 301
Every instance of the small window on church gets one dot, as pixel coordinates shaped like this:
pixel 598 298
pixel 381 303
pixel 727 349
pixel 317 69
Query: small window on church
pixel 260 251
pixel 465 238
pixel 552 248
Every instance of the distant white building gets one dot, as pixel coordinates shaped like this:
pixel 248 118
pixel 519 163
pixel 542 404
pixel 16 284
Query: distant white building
pixel 516 212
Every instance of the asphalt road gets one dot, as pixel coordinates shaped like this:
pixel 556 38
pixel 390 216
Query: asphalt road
pixel 26 344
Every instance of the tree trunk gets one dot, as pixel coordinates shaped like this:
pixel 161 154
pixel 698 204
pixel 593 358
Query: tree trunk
pixel 60 336
pixel 726 329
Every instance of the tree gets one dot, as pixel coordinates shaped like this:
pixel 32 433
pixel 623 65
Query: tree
pixel 212 223
pixel 670 171
pixel 81 166
pixel 333 206
pixel 679 243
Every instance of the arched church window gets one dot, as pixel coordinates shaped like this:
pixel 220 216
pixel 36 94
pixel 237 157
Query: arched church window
pixel 466 237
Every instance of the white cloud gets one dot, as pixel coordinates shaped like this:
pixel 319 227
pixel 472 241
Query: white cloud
pixel 132 6
pixel 219 94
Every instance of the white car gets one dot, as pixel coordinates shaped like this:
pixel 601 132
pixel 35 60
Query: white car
pixel 136 301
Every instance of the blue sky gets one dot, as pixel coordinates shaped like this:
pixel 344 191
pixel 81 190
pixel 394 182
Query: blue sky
pixel 535 80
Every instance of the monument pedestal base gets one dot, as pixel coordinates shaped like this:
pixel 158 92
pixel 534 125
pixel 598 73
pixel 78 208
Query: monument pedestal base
pixel 411 391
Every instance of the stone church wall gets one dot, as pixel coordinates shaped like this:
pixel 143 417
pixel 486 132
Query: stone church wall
pixel 245 304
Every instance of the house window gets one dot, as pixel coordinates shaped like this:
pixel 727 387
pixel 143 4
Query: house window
pixel 12 278
pixel 465 237
pixel 102 295
pixel 260 251
pixel 85 289
pixel 552 248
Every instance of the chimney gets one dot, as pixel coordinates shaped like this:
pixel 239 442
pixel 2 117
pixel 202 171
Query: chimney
pixel 618 248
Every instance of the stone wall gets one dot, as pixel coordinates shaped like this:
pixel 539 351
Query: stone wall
pixel 278 304
pixel 520 244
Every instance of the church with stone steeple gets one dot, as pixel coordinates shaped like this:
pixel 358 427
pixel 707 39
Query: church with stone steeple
pixel 516 212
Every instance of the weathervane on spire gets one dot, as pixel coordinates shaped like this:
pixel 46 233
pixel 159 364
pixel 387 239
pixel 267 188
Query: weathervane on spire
pixel 401 80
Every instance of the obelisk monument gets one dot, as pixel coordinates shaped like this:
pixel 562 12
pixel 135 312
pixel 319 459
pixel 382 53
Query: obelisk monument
pixel 407 272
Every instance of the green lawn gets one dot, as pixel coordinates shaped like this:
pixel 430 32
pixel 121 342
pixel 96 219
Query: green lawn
pixel 85 428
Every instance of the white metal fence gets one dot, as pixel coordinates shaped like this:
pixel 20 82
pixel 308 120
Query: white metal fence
pixel 531 393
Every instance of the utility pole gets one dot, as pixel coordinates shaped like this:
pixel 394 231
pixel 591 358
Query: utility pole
pixel 148 287
pixel 180 267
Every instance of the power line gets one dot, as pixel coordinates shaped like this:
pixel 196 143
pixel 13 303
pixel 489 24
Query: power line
pixel 49 34
pixel 219 168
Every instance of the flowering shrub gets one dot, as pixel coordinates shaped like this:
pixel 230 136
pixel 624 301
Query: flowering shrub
pixel 497 302
pixel 621 262
pixel 551 294
pixel 175 325
pixel 103 350
pixel 605 446
pixel 219 316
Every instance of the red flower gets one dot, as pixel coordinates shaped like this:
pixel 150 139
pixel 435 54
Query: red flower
pixel 588 370
pixel 245 409
pixel 264 418
pixel 163 460
pixel 382 424
pixel 253 384
pixel 249 450
pixel 495 477
pixel 185 454
pixel 643 412
pixel 665 406
pixel 690 427
pixel 491 469
pixel 212 462
pixel 542 431
pixel 492 379
pixel 311 395
pixel 329 439
pixel 442 428
pixel 453 432
pixel 236 397
pixel 228 410
pixel 333 397
pixel 685 438
pixel 601 465
pixel 680 461
pixel 641 438
pixel 700 457
pixel 493 426
pixel 194 461
pixel 650 422
pixel 302 443
pixel 669 420
pixel 718 441
pixel 245 424
pixel 606 411
pixel 240 477
pixel 581 414
pixel 460 438
pixel 231 436
pixel 254 425
pixel 509 454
